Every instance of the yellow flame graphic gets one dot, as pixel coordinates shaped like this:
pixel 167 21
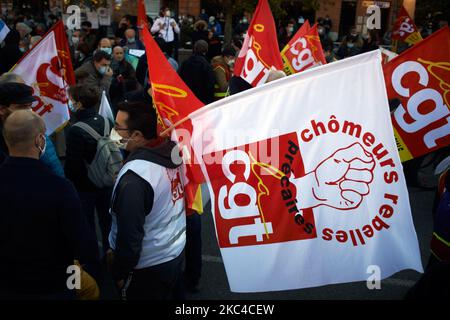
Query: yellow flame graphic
pixel 442 84
pixel 262 188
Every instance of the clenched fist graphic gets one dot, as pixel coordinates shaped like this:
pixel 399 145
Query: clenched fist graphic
pixel 340 181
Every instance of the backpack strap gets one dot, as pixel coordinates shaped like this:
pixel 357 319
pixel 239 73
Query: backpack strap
pixel 106 131
pixel 88 129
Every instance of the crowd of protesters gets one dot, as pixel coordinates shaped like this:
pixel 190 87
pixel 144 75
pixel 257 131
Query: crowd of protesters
pixel 147 241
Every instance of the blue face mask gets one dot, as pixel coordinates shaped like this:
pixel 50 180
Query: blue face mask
pixel 107 50
pixel 71 106
pixel 131 40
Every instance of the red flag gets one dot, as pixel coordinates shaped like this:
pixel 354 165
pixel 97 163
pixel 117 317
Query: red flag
pixel 172 97
pixel 142 22
pixel 62 44
pixel 174 101
pixel 260 49
pixel 420 79
pixel 41 69
pixel 405 29
pixel 304 51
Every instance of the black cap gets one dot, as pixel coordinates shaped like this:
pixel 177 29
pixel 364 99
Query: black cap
pixel 17 93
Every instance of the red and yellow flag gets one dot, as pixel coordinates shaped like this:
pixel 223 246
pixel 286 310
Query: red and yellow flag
pixel 62 47
pixel 304 51
pixel 405 29
pixel 260 49
pixel 419 79
pixel 174 101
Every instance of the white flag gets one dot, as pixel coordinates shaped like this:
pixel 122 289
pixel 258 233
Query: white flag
pixel 4 30
pixel 105 108
pixel 41 69
pixel 387 55
pixel 306 184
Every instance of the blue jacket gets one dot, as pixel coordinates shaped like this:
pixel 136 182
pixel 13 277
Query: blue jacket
pixel 51 160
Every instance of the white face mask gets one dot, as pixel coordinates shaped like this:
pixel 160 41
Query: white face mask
pixel 107 50
pixel 118 139
pixel 75 40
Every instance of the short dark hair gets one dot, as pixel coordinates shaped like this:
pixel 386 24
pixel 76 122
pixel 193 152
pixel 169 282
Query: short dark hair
pixel 201 47
pixel 99 55
pixel 87 96
pixel 141 117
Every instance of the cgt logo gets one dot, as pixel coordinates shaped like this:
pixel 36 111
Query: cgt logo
pixel 260 203
pixel 255 202
pixel 176 185
pixel 424 92
pixel 300 55
pixel 255 70
pixel 406 27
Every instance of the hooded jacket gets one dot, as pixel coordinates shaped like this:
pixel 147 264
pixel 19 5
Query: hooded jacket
pixel 148 214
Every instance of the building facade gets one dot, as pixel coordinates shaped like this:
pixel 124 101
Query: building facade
pixel 348 13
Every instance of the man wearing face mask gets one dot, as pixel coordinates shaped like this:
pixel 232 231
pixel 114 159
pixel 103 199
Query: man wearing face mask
pixel 99 72
pixel 351 45
pixel 130 41
pixel 81 148
pixel 73 45
pixel 42 226
pixel 287 33
pixel 223 70
pixel 89 36
pixel 148 231
pixel 166 27
pixel 105 45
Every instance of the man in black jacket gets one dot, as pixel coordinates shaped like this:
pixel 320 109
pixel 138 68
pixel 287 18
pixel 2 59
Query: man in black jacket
pixel 198 74
pixel 80 150
pixel 42 227
pixel 148 231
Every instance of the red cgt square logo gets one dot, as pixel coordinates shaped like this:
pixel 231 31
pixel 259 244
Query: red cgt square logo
pixel 255 202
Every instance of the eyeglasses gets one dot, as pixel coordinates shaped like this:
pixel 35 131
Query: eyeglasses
pixel 120 129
